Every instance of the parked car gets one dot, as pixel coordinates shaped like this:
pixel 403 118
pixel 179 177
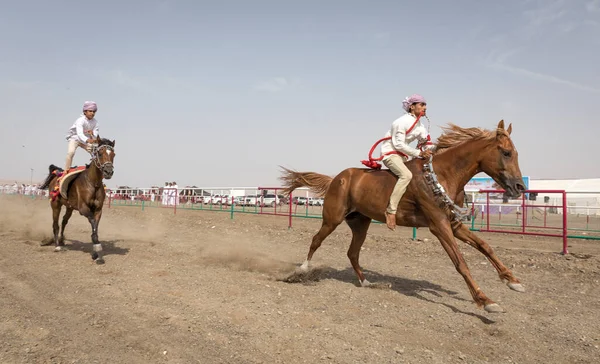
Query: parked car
pixel 252 200
pixel 237 201
pixel 270 200
pixel 299 200
pixel 315 201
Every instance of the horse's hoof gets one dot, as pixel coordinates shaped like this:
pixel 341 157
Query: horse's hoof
pixel 365 283
pixel 304 267
pixel 57 249
pixel 516 287
pixel 100 261
pixel 493 308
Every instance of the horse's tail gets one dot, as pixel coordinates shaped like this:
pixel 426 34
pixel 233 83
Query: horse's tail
pixel 318 183
pixel 51 175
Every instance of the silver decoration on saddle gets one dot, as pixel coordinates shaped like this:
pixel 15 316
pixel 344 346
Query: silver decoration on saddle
pixel 458 213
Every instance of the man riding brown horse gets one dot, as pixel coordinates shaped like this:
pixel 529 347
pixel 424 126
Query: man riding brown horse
pixel 83 190
pixel 359 195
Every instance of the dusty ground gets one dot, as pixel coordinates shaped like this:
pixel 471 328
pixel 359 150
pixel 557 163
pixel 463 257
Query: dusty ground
pixel 199 287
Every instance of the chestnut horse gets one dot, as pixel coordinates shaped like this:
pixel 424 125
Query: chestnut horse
pixel 85 194
pixel 358 195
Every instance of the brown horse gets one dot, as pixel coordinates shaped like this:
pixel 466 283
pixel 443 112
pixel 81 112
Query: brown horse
pixel 359 195
pixel 85 194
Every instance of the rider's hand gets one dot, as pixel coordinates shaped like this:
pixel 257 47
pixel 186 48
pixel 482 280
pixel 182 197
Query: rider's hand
pixel 426 154
pixel 90 141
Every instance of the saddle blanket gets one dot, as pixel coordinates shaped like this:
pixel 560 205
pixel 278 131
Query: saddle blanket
pixel 62 184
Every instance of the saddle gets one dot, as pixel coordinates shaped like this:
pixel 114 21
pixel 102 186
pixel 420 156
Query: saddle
pixel 63 182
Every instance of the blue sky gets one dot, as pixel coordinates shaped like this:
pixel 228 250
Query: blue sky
pixel 221 93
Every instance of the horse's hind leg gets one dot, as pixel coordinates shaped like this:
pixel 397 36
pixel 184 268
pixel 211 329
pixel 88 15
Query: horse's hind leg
pixel 359 224
pixel 65 221
pixel 56 207
pixel 326 228
pixel 463 233
pixel 333 215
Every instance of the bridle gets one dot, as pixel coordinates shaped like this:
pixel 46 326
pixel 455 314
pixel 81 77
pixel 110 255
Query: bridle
pixel 96 150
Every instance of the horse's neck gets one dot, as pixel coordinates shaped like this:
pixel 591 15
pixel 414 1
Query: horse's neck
pixel 94 175
pixel 456 167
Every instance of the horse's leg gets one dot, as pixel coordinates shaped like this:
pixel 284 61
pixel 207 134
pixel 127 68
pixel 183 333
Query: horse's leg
pixel 334 210
pixel 56 207
pixel 333 215
pixel 442 230
pixel 359 224
pixel 327 227
pixel 65 220
pixel 94 220
pixel 463 233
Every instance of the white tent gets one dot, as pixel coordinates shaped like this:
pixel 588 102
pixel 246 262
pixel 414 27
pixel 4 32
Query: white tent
pixel 583 195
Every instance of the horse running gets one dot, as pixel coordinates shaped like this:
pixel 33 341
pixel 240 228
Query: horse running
pixel 85 194
pixel 359 195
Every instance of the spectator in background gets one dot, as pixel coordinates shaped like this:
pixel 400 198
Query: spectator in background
pixel 165 194
pixel 175 193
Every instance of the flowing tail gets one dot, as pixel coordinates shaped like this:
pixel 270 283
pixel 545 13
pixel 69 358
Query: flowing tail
pixel 51 175
pixel 318 183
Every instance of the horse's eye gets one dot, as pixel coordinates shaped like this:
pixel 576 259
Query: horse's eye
pixel 506 153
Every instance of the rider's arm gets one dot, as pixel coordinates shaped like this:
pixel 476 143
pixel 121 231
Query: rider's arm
pixel 398 133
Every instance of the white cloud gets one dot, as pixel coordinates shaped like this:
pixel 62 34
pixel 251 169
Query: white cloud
pixel 544 20
pixel 275 84
pixel 547 13
pixel 543 77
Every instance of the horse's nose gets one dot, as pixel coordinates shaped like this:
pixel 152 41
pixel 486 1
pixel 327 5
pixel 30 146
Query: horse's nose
pixel 108 171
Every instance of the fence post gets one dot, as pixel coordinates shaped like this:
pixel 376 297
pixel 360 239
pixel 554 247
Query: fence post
pixel 414 233
pixel 291 198
pixel 564 203
pixel 232 202
pixel 487 209
pixel 524 215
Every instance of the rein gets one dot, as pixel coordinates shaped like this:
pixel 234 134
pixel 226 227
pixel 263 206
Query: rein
pixel 372 162
pixel 458 213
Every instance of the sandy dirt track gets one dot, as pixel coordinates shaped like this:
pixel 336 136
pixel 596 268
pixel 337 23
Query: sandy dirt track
pixel 199 287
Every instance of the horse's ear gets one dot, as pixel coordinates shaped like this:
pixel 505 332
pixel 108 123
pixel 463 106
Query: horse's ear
pixel 113 142
pixel 501 124
pixel 509 129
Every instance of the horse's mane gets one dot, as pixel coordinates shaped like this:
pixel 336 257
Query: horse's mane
pixel 455 135
pixel 104 141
